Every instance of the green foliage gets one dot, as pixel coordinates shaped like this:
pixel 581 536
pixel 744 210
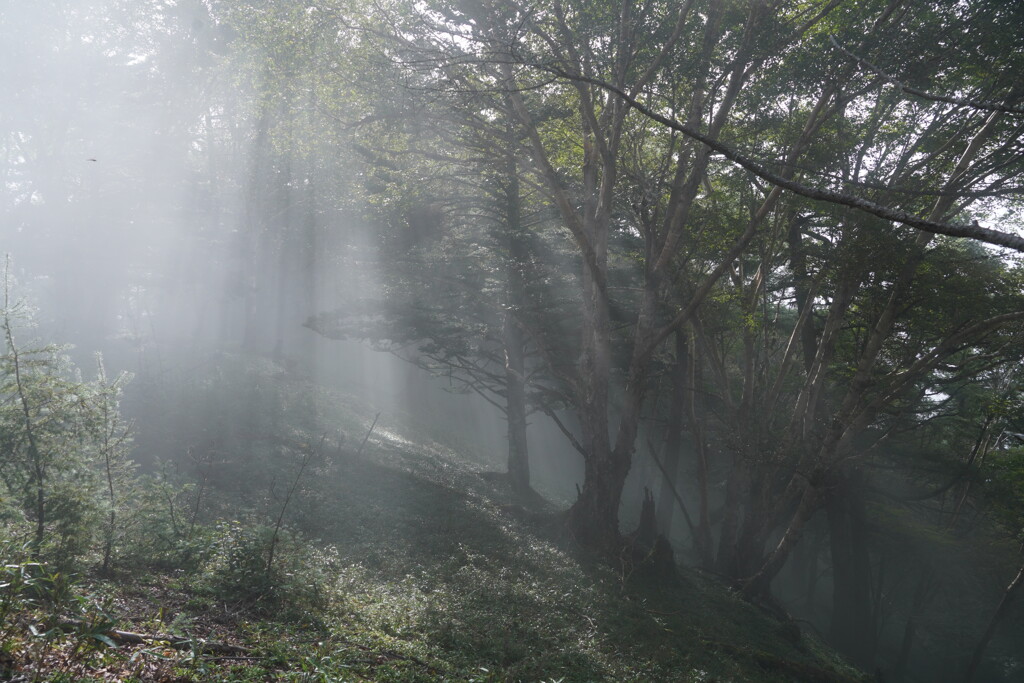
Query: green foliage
pixel 297 585
pixel 1004 479
pixel 64 443
pixel 158 538
pixel 42 610
pixel 324 79
pixel 421 576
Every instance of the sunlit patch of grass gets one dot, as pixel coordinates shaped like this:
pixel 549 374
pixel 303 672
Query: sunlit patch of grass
pixel 393 438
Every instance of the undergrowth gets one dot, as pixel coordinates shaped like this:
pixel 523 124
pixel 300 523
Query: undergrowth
pixel 399 564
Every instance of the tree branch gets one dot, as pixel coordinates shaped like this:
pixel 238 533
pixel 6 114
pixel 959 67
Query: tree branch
pixel 958 101
pixel 973 231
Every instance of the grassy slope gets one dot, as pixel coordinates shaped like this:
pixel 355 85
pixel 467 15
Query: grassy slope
pixel 436 578
pixel 444 568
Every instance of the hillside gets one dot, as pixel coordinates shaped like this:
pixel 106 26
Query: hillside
pixel 402 562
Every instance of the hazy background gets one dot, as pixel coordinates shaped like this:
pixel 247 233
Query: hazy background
pixel 151 214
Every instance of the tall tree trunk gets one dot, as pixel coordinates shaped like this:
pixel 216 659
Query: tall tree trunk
pixel 990 630
pixel 512 334
pixel 809 571
pixel 515 409
pixel 802 289
pixel 853 628
pixel 594 516
pixel 703 542
pixel 285 243
pixel 673 440
pixel 253 235
pixel 727 559
pixel 922 595
pixel 752 534
pixel 309 296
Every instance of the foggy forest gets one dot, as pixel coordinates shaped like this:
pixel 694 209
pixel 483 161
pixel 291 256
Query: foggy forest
pixel 512 340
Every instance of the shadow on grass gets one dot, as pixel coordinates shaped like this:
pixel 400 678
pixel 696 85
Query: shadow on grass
pixel 445 568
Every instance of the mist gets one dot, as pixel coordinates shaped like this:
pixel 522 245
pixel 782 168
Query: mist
pixel 403 292
pixel 129 165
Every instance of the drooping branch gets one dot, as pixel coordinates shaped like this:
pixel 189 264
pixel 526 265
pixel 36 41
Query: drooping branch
pixel 972 231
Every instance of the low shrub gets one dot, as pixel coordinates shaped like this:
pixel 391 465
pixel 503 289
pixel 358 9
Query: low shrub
pixel 295 583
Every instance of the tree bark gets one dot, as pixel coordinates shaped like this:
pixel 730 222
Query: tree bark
pixel 853 628
pixel 990 630
pixel 512 334
pixel 673 439
pixel 594 516
pixel 922 595
pixel 703 542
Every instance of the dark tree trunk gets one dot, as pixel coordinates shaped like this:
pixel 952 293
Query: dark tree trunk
pixel 990 630
pixel 674 437
pixel 647 529
pixel 515 361
pixel 922 595
pixel 649 552
pixel 801 281
pixel 810 568
pixel 702 541
pixel 726 562
pixel 853 625
pixel 811 500
pixel 286 238
pixel 752 534
pixel 594 517
pixel 310 254
pixel 253 234
pixel 515 411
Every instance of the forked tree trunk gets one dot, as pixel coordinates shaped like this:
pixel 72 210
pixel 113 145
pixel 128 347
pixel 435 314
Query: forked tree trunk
pixel 811 501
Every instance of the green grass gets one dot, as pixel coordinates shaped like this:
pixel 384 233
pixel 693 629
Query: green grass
pixel 411 566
